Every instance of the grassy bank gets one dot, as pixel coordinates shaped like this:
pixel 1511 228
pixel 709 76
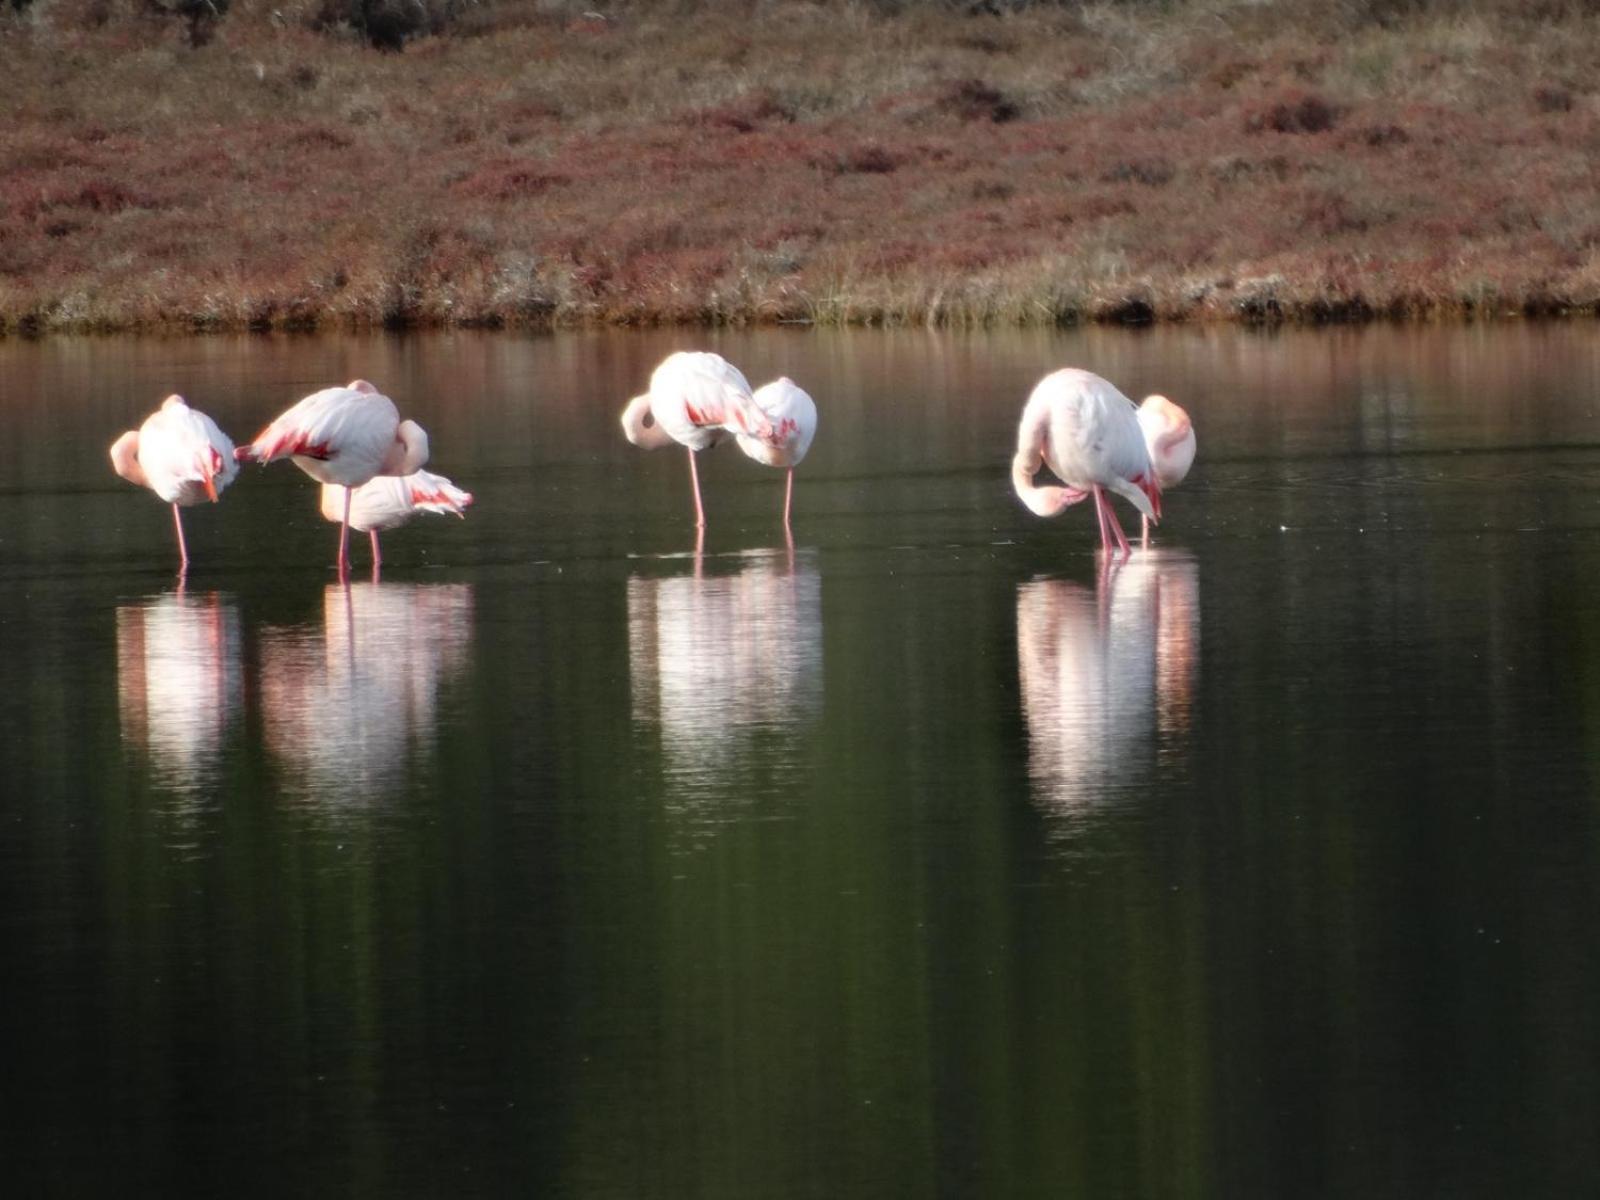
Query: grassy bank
pixel 524 163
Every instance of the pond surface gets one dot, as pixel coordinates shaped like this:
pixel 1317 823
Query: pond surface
pixel 929 856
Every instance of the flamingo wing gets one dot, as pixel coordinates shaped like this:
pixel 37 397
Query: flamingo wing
pixel 696 396
pixel 792 414
pixel 435 494
pixel 338 423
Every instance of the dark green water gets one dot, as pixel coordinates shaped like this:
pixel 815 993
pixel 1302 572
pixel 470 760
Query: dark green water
pixel 928 858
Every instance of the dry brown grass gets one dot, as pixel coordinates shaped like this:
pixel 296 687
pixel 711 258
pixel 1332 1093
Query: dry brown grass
pixel 789 161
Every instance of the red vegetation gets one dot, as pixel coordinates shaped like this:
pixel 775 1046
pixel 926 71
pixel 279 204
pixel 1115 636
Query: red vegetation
pixel 828 162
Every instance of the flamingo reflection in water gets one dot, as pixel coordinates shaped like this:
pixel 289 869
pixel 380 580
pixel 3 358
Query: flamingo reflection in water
pixel 179 683
pixel 346 706
pixel 1107 678
pixel 728 669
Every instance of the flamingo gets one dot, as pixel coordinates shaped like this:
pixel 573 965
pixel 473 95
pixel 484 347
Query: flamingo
pixel 696 399
pixel 181 456
pixel 389 501
pixel 1088 433
pixel 793 417
pixel 1169 437
pixel 342 436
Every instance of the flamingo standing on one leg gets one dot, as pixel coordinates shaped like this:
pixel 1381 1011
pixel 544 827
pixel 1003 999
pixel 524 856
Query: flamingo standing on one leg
pixel 343 436
pixel 793 417
pixel 180 455
pixel 1169 437
pixel 389 501
pixel 1087 432
pixel 696 399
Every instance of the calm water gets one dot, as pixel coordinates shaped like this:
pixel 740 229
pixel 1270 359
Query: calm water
pixel 927 858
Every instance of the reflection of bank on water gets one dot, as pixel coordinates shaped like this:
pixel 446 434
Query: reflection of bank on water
pixel 1108 676
pixel 728 669
pixel 179 685
pixel 348 706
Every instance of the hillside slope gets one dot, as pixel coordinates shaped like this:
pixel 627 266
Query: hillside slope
pixel 528 163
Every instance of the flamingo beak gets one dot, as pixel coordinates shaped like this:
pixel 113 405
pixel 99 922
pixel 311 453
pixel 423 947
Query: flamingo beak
pixel 211 488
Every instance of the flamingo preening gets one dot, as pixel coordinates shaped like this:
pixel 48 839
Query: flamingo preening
pixel 342 436
pixel 389 501
pixel 1169 437
pixel 696 399
pixel 180 455
pixel 792 415
pixel 1088 434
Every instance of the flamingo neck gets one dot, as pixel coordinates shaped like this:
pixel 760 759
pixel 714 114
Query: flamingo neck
pixel 125 459
pixel 1043 501
pixel 409 452
pixel 640 426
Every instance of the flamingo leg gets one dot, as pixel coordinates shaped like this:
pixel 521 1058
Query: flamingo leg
pixel 1100 512
pixel 344 539
pixel 1144 532
pixel 1116 528
pixel 377 555
pixel 183 548
pixel 694 478
pixel 788 497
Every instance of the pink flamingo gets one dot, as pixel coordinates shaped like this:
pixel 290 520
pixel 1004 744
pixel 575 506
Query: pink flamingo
pixel 696 399
pixel 180 455
pixel 1088 433
pixel 793 417
pixel 342 436
pixel 1169 437
pixel 389 501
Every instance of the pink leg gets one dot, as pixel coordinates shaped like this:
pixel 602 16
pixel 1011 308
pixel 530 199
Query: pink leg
pixel 183 548
pixel 344 539
pixel 788 496
pixel 1100 512
pixel 694 478
pixel 377 555
pixel 1144 532
pixel 1116 528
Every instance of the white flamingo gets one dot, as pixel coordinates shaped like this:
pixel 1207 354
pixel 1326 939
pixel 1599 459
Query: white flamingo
pixel 1087 432
pixel 1169 438
pixel 696 399
pixel 181 456
pixel 389 501
pixel 792 415
pixel 343 436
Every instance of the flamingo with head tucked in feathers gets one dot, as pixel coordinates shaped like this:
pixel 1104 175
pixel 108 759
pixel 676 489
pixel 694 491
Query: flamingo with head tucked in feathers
pixel 696 399
pixel 1169 438
pixel 1087 433
pixel 389 501
pixel 793 417
pixel 180 455
pixel 343 436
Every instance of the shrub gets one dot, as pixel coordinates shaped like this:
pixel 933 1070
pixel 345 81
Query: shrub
pixel 1152 172
pixel 975 100
pixel 1292 111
